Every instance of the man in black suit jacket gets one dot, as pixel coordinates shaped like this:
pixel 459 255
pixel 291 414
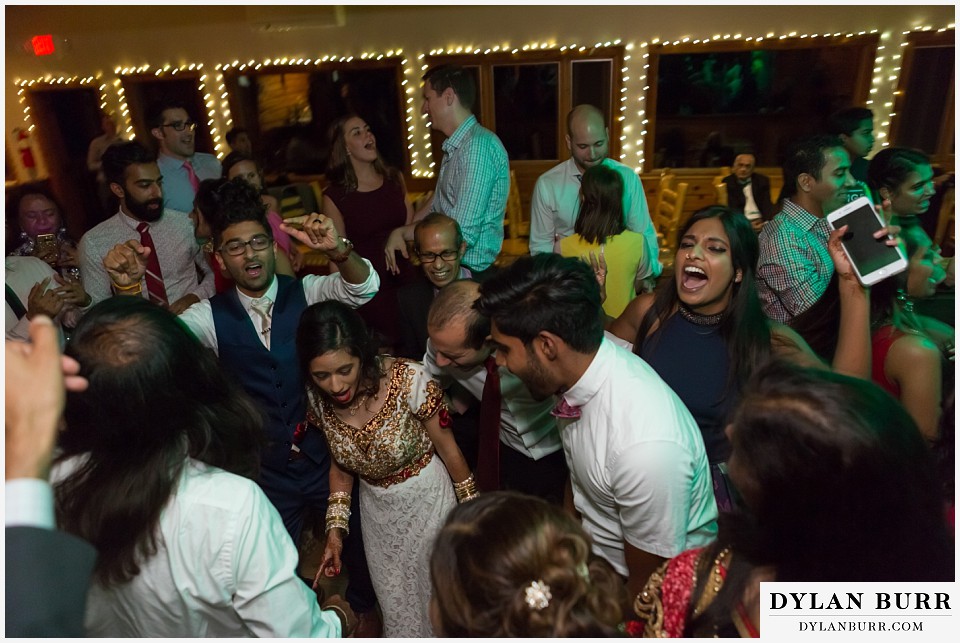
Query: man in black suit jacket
pixel 439 245
pixel 745 182
pixel 47 571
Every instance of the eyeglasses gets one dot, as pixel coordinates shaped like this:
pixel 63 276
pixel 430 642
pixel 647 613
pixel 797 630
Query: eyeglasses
pixel 181 125
pixel 446 255
pixel 235 247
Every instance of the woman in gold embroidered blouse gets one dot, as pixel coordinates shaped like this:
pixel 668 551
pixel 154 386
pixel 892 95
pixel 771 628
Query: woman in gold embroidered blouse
pixel 384 418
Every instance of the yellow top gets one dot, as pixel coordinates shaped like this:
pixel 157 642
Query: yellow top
pixel 624 254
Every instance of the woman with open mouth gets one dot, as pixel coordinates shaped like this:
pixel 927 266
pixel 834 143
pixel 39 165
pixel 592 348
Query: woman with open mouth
pixel 704 331
pixel 385 420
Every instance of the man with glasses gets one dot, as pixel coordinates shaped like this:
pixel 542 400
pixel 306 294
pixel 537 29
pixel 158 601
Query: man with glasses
pixel 252 328
pixel 181 165
pixel 179 276
pixel 439 245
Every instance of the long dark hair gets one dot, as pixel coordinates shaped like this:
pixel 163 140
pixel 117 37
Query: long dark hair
pixel 156 397
pixel 331 325
pixel 744 327
pixel 828 460
pixel 340 169
pixel 489 552
pixel 601 205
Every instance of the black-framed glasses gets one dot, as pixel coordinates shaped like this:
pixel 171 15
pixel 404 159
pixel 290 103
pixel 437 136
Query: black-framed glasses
pixel 446 255
pixel 235 247
pixel 182 125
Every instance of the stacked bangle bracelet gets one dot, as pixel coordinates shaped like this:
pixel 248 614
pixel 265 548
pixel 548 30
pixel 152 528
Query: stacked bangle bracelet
pixel 465 489
pixel 338 511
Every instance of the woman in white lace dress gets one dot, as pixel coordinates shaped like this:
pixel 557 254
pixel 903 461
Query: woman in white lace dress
pixel 385 420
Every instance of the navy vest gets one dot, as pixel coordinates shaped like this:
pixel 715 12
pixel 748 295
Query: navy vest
pixel 271 378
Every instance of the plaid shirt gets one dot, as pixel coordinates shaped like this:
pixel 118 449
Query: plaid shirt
pixel 472 189
pixel 795 266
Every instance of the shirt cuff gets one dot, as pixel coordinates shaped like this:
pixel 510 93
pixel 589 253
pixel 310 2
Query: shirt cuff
pixel 29 503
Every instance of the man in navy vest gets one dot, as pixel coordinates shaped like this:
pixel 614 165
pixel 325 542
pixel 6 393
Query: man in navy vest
pixel 252 328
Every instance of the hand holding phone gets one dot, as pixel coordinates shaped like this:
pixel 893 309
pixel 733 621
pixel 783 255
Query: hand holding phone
pixel 873 253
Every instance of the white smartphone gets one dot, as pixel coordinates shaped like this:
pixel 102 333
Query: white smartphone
pixel 872 259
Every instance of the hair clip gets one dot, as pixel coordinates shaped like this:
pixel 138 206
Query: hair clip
pixel 537 595
pixel 583 572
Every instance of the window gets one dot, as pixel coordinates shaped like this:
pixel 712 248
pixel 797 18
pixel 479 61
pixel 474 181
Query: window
pixel 524 97
pixel 288 111
pixel 923 107
pixel 708 103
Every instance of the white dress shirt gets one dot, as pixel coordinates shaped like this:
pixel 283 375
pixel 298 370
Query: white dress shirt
pixel 555 205
pixel 225 567
pixel 199 317
pixel 180 256
pixel 637 463
pixel 526 425
pixel 28 502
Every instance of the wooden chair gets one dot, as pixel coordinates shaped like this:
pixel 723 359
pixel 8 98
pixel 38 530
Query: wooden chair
pixel 516 239
pixel 720 186
pixel 666 216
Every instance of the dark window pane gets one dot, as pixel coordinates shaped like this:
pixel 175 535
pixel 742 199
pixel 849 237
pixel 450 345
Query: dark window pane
pixel 924 98
pixel 525 98
pixel 591 84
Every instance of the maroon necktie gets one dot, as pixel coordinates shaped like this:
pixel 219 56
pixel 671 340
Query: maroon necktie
pixel 194 181
pixel 155 287
pixel 488 455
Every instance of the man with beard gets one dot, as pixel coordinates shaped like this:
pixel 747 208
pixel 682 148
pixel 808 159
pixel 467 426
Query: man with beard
pixel 177 275
pixel 638 467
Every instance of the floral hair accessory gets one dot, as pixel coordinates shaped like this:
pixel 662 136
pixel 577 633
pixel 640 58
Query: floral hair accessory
pixel 537 595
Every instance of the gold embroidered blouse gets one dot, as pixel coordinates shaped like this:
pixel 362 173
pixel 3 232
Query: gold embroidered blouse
pixel 395 438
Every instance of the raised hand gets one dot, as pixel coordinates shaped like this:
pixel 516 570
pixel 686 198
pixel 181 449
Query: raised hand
pixel 319 232
pixel 126 263
pixel 71 292
pixel 395 243
pixel 41 301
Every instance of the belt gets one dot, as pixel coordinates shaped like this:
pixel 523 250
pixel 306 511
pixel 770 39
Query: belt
pixel 403 474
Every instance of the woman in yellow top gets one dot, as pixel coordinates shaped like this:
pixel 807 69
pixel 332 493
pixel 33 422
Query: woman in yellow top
pixel 600 230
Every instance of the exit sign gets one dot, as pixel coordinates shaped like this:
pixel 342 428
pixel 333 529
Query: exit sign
pixel 42 45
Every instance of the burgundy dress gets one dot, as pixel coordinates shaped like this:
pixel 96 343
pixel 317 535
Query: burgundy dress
pixel 369 218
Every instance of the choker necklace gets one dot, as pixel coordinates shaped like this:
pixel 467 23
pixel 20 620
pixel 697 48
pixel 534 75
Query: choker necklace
pixel 697 318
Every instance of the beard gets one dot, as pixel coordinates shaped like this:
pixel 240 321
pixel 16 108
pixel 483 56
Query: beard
pixel 149 211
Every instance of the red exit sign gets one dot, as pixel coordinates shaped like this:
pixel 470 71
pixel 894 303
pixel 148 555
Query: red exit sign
pixel 42 45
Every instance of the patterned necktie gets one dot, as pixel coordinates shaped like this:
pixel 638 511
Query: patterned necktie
pixel 264 309
pixel 194 181
pixel 488 453
pixel 565 410
pixel 154 276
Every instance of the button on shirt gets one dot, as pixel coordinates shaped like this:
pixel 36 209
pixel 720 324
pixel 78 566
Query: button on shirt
pixel 555 205
pixel 178 192
pixel 181 258
pixel 526 425
pixel 472 189
pixel 637 463
pixel 795 266
pixel 199 317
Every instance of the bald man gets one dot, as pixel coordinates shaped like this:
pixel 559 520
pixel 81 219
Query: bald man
pixel 556 197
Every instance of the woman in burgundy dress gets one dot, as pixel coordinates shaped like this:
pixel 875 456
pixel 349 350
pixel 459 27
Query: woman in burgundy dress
pixel 367 200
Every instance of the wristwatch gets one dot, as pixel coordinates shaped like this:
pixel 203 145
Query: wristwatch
pixel 340 257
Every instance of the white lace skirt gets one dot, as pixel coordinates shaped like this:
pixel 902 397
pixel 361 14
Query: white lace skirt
pixel 399 526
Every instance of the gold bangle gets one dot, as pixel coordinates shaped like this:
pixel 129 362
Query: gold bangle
pixel 117 286
pixel 135 289
pixel 465 489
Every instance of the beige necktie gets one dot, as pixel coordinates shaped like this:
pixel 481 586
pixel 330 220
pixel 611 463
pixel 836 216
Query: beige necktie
pixel 264 309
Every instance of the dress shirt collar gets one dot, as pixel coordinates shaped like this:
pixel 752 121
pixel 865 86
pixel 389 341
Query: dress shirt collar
pixel 167 160
pixel 131 222
pixel 593 378
pixel 456 139
pixel 247 301
pixel 804 219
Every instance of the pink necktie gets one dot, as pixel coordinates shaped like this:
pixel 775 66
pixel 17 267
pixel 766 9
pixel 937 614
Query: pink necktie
pixel 564 410
pixel 194 181
pixel 155 287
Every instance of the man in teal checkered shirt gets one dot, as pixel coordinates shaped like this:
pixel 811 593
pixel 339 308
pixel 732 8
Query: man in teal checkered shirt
pixel 474 175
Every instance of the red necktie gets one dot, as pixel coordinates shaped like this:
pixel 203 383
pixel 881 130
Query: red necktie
pixel 194 181
pixel 155 287
pixel 488 454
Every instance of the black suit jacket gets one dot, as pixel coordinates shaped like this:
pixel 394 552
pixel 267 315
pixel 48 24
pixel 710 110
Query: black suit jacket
pixel 761 194
pixel 48 575
pixel 413 301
